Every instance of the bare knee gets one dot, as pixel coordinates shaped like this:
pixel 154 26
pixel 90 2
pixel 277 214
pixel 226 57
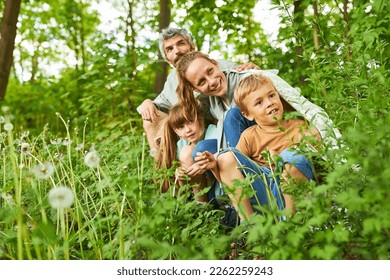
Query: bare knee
pixel 226 161
pixel 186 155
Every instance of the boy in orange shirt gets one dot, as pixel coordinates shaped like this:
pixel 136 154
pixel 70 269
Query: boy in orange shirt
pixel 258 100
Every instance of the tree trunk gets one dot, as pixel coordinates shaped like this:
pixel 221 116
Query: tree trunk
pixel 7 42
pixel 162 72
pixel 131 54
pixel 346 32
pixel 315 26
pixel 299 16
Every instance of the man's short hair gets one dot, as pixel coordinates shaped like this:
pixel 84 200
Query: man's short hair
pixel 172 32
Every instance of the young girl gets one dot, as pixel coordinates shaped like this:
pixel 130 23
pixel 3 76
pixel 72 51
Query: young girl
pixel 178 139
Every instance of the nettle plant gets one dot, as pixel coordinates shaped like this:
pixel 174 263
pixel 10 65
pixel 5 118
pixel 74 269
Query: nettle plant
pixel 70 197
pixel 59 199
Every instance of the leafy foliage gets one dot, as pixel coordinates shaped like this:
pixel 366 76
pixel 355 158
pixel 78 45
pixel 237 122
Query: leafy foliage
pixel 118 212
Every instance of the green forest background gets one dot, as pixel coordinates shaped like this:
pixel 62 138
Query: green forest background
pixel 335 51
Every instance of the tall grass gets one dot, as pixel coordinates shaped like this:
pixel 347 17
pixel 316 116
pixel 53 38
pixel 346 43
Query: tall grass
pixel 118 213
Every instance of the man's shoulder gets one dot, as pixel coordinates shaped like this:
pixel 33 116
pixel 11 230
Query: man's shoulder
pixel 172 75
pixel 226 64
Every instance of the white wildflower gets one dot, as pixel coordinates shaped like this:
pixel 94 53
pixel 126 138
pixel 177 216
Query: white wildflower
pixel 80 147
pixel 8 127
pixel 8 198
pixel 25 134
pixel 66 141
pixel 57 141
pixel 43 171
pixel 92 159
pixel 61 197
pixel 59 156
pixel 25 148
pixel 5 109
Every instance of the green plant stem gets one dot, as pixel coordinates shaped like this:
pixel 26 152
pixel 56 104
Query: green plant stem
pixel 18 196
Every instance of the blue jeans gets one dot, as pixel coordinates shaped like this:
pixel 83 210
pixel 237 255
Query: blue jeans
pixel 234 124
pixel 266 184
pixel 210 145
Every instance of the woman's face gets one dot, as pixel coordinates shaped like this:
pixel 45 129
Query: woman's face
pixel 190 131
pixel 206 77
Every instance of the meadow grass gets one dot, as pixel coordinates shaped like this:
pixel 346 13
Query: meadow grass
pixel 75 195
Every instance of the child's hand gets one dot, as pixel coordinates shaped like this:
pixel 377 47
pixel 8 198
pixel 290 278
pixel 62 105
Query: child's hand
pixel 180 173
pixel 206 160
pixel 194 170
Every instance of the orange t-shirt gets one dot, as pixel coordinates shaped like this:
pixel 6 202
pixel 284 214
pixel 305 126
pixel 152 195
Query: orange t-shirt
pixel 254 140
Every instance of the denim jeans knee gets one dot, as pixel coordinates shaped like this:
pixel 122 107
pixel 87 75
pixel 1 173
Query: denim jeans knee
pixel 205 145
pixel 299 161
pixel 234 124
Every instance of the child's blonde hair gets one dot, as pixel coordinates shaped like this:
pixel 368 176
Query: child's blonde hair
pixel 246 86
pixel 167 152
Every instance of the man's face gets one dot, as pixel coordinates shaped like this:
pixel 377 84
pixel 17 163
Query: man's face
pixel 206 77
pixel 175 48
pixel 264 105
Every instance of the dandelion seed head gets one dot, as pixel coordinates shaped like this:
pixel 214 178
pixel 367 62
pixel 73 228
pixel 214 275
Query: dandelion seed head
pixel 25 134
pixel 7 197
pixel 8 126
pixel 57 141
pixel 25 147
pixel 92 159
pixel 61 197
pixel 5 109
pixel 80 147
pixel 43 171
pixel 66 141
pixel 58 156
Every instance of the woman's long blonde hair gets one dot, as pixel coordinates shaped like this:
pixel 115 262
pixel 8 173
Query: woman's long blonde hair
pixel 185 90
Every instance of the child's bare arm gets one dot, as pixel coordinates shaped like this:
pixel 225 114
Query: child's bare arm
pixel 208 162
pixel 203 161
